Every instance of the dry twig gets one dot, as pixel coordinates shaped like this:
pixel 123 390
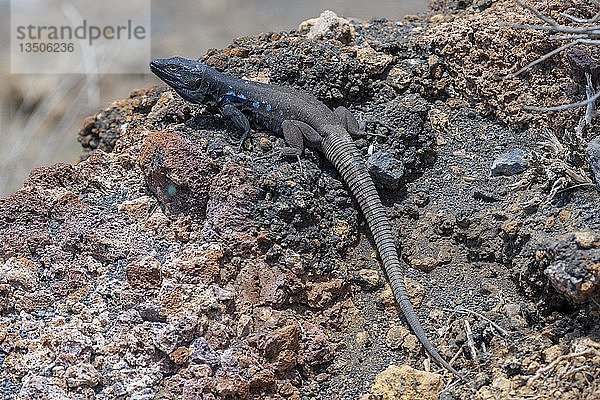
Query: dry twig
pixel 470 341
pixel 463 310
pixel 541 371
pixel 538 14
pixel 563 107
pixel 586 35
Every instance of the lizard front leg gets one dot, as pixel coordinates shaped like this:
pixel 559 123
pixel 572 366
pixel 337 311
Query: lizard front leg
pixel 239 120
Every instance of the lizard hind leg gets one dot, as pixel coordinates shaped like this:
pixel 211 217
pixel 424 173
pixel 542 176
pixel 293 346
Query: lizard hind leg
pixel 239 120
pixel 349 122
pixel 295 134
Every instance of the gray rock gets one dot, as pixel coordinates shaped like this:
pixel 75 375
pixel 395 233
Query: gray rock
pixel 386 170
pixel 510 163
pixel 202 353
pixel 164 336
pixel 593 153
pixel 82 374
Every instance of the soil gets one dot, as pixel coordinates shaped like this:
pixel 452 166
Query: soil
pixel 169 265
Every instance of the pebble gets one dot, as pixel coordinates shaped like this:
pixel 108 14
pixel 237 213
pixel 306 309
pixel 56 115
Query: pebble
pixel 369 278
pixel 510 163
pixel 386 170
pixel 83 374
pixel 395 337
pixel 201 353
pixel 404 382
pixel 501 383
pixel 553 352
pixel 265 144
pixel 411 343
pixel 587 240
pixel 362 339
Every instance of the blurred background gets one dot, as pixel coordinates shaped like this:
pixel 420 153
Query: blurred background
pixel 40 115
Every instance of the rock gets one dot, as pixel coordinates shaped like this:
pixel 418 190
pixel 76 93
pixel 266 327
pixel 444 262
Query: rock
pixel 587 240
pixel 164 336
pixel 369 278
pixel 328 26
pixel 368 396
pixel 593 153
pixel 171 165
pixel 19 272
pixel 323 294
pixel 200 265
pixel 415 291
pixel 228 388
pixel 386 170
pixel 281 346
pixel 421 198
pixel 375 62
pixel 406 383
pixel 387 298
pixel 514 313
pixel 263 285
pixel 180 356
pixel 144 273
pixel 82 374
pixel 510 163
pixel 362 339
pixel 424 263
pixel 502 384
pixel 571 262
pixel 577 282
pixel 202 353
pixel 265 144
pixel 401 76
pixel 394 337
pixel 581 63
pixel 315 345
pixel 553 352
pixel 411 343
pixel 39 387
pixel 244 325
pixel 512 310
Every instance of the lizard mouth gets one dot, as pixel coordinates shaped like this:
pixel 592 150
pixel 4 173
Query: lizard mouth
pixel 159 68
pixel 173 80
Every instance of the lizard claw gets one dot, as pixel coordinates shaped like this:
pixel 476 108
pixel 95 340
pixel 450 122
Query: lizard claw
pixel 300 165
pixel 240 146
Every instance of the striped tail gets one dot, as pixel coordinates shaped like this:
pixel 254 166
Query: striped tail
pixel 343 154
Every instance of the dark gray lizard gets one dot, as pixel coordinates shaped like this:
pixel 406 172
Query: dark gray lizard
pixel 302 119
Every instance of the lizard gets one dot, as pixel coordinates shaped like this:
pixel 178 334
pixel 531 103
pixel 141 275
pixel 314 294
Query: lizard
pixel 303 120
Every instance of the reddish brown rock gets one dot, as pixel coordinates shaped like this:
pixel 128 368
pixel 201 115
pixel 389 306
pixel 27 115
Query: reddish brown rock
pixel 316 348
pixel 144 273
pixel 281 347
pixel 180 355
pixel 177 172
pixel 262 284
pixel 228 211
pixel 323 294
pixel 200 265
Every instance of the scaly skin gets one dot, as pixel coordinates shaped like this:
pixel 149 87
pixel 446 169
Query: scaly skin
pixel 303 120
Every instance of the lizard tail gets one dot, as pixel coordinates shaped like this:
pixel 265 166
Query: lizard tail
pixel 343 154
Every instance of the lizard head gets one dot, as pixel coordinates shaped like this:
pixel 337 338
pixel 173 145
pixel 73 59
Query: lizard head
pixel 182 74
